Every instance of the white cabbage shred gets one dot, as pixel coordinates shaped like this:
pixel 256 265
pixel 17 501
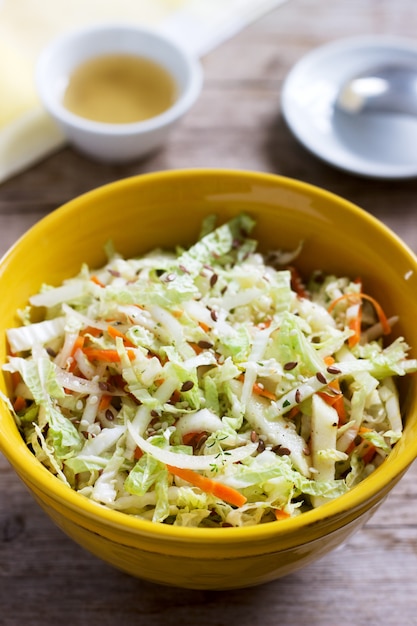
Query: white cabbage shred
pixel 208 386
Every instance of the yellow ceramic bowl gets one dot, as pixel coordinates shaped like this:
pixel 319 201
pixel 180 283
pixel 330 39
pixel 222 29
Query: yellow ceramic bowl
pixel 164 209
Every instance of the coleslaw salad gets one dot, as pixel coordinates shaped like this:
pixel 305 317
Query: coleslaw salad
pixel 208 386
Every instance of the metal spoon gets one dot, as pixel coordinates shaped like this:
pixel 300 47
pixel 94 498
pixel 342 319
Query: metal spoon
pixel 384 89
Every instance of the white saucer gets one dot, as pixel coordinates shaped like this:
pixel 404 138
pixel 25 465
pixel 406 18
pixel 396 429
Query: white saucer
pixel 377 145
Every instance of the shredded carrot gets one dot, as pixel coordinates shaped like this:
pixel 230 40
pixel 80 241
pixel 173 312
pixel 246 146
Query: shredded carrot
pixel 105 401
pixel 366 449
pixel 175 397
pixel 329 360
pixel 259 389
pixel 265 324
pixel 353 297
pixel 357 297
pixel 71 366
pixel 96 280
pixel 355 325
pixel 196 347
pixel 93 331
pixel 204 326
pixel 194 439
pixel 78 344
pixel 224 492
pixel 281 515
pixel 368 452
pixel 336 401
pixel 138 453
pixel 188 438
pixel 108 356
pixel 115 332
pixel 292 412
pixel 19 404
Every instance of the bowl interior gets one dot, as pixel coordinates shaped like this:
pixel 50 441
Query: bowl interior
pixel 165 209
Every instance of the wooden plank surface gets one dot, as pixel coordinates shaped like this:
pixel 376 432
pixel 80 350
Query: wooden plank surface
pixel 44 578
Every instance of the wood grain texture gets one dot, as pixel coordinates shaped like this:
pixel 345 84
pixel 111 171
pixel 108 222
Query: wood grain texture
pixel 372 579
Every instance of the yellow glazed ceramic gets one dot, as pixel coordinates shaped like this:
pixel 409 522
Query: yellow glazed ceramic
pixel 165 209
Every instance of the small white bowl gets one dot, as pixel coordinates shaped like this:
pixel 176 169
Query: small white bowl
pixel 125 141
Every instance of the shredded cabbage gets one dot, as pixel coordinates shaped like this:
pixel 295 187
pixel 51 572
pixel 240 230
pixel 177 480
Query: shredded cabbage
pixel 202 387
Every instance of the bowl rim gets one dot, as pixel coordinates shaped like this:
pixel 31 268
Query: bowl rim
pixel 187 97
pixel 29 467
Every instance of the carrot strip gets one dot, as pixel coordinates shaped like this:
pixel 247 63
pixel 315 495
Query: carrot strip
pixel 93 331
pixel 108 356
pixel 175 397
pixel 281 515
pixel 265 324
pixel 335 401
pixel 19 404
pixel 292 413
pixel 195 347
pixel 338 404
pixel 195 439
pixel 353 297
pixel 368 453
pixel 97 281
pixel 259 389
pixel 115 332
pixel 105 401
pixel 366 449
pixel 356 297
pixel 138 453
pixel 188 437
pixel 224 492
pixel 356 325
pixel 78 344
pixel 329 360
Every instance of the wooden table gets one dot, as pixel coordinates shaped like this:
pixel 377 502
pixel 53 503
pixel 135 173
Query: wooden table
pixel 44 578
